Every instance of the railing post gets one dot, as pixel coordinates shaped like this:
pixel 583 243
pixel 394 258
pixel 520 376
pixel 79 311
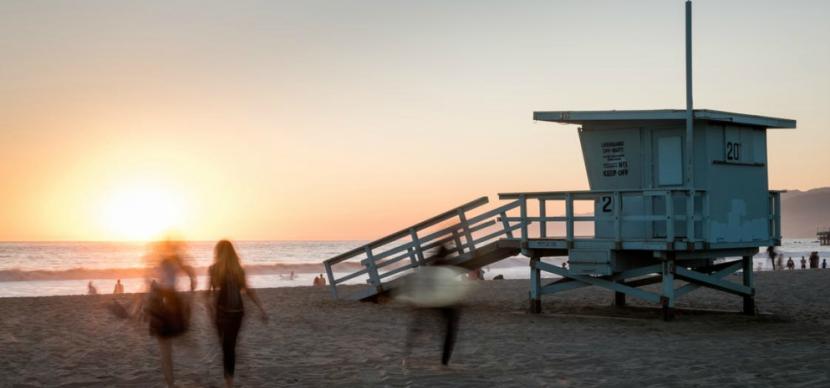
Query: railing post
pixel 332 282
pixel 457 239
pixel 690 216
pixel 466 227
pixel 617 216
pixel 412 258
pixel 569 218
pixel 669 216
pixel 417 242
pixel 704 199
pixel 506 225
pixel 523 216
pixel 371 268
pixel 543 224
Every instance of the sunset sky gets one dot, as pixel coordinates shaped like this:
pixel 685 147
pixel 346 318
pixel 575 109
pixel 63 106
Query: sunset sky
pixel 351 119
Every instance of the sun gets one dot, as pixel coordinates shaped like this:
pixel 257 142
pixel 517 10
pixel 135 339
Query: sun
pixel 141 212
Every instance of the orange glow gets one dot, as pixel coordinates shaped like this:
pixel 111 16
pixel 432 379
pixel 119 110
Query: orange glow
pixel 141 212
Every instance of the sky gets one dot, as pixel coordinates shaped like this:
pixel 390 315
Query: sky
pixel 351 119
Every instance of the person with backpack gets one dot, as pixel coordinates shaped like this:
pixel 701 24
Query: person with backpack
pixel 227 283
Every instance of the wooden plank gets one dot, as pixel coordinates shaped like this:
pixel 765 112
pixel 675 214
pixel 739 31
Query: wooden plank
pixel 713 282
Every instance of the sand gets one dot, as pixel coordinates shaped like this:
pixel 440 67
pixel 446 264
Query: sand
pixel 312 340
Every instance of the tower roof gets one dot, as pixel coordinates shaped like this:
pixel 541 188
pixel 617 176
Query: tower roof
pixel 587 116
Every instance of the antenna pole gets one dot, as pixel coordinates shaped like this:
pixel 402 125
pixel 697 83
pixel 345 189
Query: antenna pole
pixel 690 159
pixel 690 133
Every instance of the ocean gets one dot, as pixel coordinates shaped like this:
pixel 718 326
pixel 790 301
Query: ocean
pixel 65 268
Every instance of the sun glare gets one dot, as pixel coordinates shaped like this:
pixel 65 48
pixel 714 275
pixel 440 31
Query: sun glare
pixel 142 213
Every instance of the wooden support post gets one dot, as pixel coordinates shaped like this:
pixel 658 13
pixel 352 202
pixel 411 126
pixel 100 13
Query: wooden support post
pixel 543 225
pixel 667 297
pixel 619 299
pixel 617 216
pixel 467 234
pixel 419 252
pixel 749 301
pixel 569 219
pixel 371 268
pixel 459 247
pixel 525 222
pixel 332 283
pixel 535 285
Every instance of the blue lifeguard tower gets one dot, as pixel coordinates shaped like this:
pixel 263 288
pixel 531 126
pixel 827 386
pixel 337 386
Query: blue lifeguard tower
pixel 676 194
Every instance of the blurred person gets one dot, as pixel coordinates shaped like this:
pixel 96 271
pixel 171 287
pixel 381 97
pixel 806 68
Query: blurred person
pixel 435 290
pixel 167 310
pixel 227 283
pixel 317 281
pixel 90 289
pixel 790 263
pixel 803 263
pixel 119 288
pixel 771 253
pixel 322 280
pixel 813 259
pixel 824 264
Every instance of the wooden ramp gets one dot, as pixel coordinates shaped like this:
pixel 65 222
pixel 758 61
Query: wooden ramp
pixel 475 240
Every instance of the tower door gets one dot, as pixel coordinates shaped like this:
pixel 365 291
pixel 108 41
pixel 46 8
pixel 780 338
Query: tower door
pixel 668 158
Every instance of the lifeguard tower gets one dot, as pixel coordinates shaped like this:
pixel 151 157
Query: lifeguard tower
pixel 675 195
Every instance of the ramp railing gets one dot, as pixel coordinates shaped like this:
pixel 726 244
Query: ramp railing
pixel 400 252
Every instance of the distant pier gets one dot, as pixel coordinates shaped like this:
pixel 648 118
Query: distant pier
pixel 823 236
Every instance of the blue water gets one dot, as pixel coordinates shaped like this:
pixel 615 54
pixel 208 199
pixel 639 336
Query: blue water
pixel 64 268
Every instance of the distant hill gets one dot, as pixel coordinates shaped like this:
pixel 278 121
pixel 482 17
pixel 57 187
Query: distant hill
pixel 804 211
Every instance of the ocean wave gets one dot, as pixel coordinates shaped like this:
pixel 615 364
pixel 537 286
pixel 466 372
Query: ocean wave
pixel 9 275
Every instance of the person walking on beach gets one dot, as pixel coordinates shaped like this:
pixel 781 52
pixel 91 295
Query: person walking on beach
pixel 435 291
pixel 771 253
pixel 790 263
pixel 824 264
pixel 167 310
pixel 803 263
pixel 90 289
pixel 227 283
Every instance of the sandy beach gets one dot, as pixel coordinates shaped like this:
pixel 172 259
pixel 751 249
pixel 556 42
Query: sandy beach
pixel 312 340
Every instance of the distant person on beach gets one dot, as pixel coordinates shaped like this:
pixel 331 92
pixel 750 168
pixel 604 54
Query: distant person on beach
pixel 814 259
pixel 119 288
pixel 780 261
pixel 167 310
pixel 322 280
pixel 790 263
pixel 803 263
pixel 824 264
pixel 317 281
pixel 90 289
pixel 227 284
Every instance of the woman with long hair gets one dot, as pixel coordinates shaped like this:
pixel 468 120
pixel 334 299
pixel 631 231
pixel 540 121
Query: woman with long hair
pixel 227 283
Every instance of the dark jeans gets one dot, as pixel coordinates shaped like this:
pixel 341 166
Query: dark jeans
pixel 227 326
pixel 449 322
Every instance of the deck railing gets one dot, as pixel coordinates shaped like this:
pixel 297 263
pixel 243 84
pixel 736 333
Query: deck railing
pixel 611 211
pixel 387 256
